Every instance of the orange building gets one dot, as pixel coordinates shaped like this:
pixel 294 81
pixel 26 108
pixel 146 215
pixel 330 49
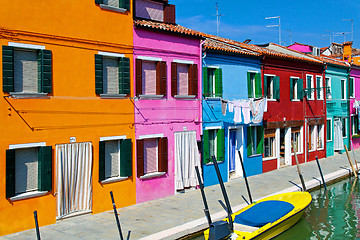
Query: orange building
pixel 67 117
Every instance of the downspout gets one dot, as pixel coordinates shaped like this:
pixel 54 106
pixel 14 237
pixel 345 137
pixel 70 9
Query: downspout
pixel 325 110
pixel 349 114
pixel 201 106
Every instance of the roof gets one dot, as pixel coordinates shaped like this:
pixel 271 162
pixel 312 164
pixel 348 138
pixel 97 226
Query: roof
pixel 302 44
pixel 334 61
pixel 167 27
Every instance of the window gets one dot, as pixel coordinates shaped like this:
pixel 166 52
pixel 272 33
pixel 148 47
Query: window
pixel 319 88
pixel 296 138
pixel 312 137
pixel 310 87
pixel 296 88
pixel 28 170
pixel 212 83
pixel 343 89
pixel 344 128
pixel 150 78
pixel 117 5
pixel 149 10
pixel 352 87
pixel 320 136
pixel 26 70
pixel 328 87
pixel 152 157
pixel 115 159
pixel 254 85
pixel 272 87
pixel 355 124
pixel 112 75
pixel 214 145
pixel 184 80
pixel 328 130
pixel 269 143
pixel 255 140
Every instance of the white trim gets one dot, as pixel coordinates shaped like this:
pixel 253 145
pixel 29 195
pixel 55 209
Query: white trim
pixel 121 137
pixel 270 75
pixel 321 88
pixel 28 195
pixel 253 71
pixel 27 145
pixel 213 127
pixel 212 66
pixel 343 90
pixel 185 96
pixel 21 95
pixel 312 94
pixel 110 54
pixel 269 158
pixel 151 175
pixel 294 77
pixel 25 45
pixel 112 96
pixel 114 179
pixel 146 58
pixel 352 95
pixel 295 100
pixel 107 7
pixel 235 127
pixel 271 100
pixel 183 61
pixel 161 135
pixel 143 96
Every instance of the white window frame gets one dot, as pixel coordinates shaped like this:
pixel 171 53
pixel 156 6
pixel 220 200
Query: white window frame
pixel 330 91
pixel 212 91
pixel 311 88
pixel 321 137
pixel 151 59
pixel 344 126
pixel 301 145
pixel 352 82
pixel 331 129
pixel 274 156
pixel 188 63
pixel 343 88
pixel 112 8
pixel 313 137
pixel 321 97
pixel 353 124
pixel 271 86
pixel 295 92
pixel 215 131
pixel 157 173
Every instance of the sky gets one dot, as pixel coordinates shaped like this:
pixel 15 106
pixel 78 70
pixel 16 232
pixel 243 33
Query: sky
pixel 310 22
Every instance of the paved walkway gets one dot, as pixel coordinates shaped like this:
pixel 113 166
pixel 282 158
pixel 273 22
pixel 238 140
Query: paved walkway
pixel 176 216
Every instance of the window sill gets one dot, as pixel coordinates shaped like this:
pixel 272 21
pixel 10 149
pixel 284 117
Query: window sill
pixel 255 155
pixel 28 195
pixel 107 7
pixel 151 96
pixel 295 100
pixel 28 95
pixel 211 163
pixel 269 158
pixel 320 149
pixel 114 179
pixel 185 96
pixel 329 140
pixel 292 154
pixel 111 96
pixel 312 150
pixel 213 98
pixel 271 100
pixel 152 175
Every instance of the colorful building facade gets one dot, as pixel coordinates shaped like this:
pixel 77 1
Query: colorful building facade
pixel 354 92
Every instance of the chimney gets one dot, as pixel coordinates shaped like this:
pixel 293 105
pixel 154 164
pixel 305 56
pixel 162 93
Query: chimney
pixel 347 51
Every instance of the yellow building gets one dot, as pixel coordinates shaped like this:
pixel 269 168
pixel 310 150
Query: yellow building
pixel 67 117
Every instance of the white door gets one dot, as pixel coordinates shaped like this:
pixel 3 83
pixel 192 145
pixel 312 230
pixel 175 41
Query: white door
pixel 288 146
pixel 74 191
pixel 338 135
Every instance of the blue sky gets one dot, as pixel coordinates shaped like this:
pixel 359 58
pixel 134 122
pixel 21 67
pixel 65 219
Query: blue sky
pixel 308 20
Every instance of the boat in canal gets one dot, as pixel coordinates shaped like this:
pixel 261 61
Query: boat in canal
pixel 268 217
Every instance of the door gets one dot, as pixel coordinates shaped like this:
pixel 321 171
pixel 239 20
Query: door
pixel 288 146
pixel 338 135
pixel 235 146
pixel 74 179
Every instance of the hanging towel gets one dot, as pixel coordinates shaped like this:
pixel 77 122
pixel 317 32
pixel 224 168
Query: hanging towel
pixel 231 106
pixel 266 103
pixel 257 109
pixel 223 106
pixel 245 107
pixel 338 136
pixel 237 112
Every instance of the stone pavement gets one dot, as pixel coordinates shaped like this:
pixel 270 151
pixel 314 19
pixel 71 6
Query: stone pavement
pixel 176 216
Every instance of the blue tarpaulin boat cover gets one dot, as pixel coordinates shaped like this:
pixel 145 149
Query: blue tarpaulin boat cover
pixel 264 212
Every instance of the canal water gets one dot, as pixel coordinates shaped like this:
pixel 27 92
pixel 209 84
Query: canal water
pixel 333 214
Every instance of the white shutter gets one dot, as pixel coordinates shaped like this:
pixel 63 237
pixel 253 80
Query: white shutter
pixel 182 76
pixel 26 71
pixel 149 77
pixel 26 170
pixel 150 155
pixel 111 75
pixel 112 158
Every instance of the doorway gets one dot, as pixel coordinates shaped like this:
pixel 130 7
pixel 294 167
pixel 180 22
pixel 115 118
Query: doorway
pixel 338 135
pixel 285 147
pixel 236 142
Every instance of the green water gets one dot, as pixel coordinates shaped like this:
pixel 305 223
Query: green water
pixel 333 214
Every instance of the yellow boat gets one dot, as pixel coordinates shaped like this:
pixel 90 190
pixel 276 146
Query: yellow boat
pixel 269 216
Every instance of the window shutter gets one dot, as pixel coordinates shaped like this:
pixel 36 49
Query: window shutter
pixel 140 157
pixel 101 161
pixel 205 82
pixel 124 76
pixel 163 78
pixel 249 141
pixel 45 168
pixel 99 1
pixel 124 4
pixel 126 158
pixel 169 13
pixel 173 79
pixel 163 155
pixel 138 76
pixel 318 90
pixel 10 173
pixel 258 88
pixel 250 86
pixel 206 147
pixel 46 71
pixel 300 88
pixel 265 87
pixel 98 74
pixel 292 88
pixel 220 142
pixel 277 88
pixel 351 87
pixel 158 78
pixel 218 82
pixel 308 86
pixel 193 80
pixel 260 139
pixel 8 68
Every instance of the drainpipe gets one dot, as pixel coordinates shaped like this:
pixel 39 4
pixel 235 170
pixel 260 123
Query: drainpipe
pixel 348 93
pixel 325 110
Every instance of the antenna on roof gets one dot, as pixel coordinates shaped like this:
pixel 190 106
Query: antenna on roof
pixel 352 28
pixel 217 19
pixel 290 36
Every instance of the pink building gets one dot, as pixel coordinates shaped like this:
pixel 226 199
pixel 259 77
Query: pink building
pixel 167 108
pixel 354 87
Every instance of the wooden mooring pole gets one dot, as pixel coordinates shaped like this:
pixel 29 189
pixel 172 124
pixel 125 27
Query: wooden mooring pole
pixel 116 216
pixel 37 226
pixel 321 174
pixel 351 164
pixel 298 167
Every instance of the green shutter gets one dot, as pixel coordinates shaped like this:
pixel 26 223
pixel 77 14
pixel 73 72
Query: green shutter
pixel 220 142
pixel 46 71
pixel 308 87
pixel 318 89
pixel 98 74
pixel 218 82
pixel 260 139
pixel 8 68
pixel 300 88
pixel 99 1
pixel 276 89
pixel 206 147
pixel 124 4
pixel 249 142
pixel 265 87
pixel 10 173
pixel 258 89
pixel 205 82
pixel 250 86
pixel 124 76
pixel 45 168
pixel 292 88
pixel 101 161
pixel 126 158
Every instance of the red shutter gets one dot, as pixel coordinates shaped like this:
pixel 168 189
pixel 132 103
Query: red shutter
pixel 169 14
pixel 173 79
pixel 158 78
pixel 140 157
pixel 163 155
pixel 163 78
pixel 138 75
pixel 193 80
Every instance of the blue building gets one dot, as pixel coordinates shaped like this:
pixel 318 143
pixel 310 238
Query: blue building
pixel 231 75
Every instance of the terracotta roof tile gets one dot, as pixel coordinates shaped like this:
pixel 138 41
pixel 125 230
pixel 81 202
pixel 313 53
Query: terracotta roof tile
pixel 334 61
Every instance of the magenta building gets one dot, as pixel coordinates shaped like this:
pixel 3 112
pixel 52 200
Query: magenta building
pixel 354 92
pixel 167 102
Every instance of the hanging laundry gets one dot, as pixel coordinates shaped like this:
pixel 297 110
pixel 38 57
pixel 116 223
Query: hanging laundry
pixel 244 108
pixel 257 109
pixel 237 112
pixel 223 106
pixel 266 103
pixel 231 106
pixel 338 135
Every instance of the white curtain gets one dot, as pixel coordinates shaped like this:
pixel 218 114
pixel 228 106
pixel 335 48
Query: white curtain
pixel 74 165
pixel 186 158
pixel 338 135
